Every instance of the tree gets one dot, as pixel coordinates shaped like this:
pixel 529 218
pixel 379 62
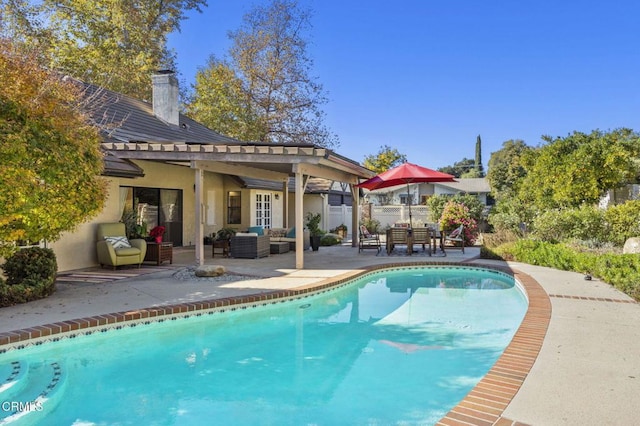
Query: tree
pixel 386 158
pixel 49 154
pixel 506 170
pixel 222 104
pixel 460 168
pixel 279 101
pixel 478 168
pixel 579 168
pixel 114 44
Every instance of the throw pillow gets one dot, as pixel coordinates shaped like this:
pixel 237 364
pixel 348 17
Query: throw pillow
pixel 277 233
pixel 118 242
pixel 291 233
pixel 257 229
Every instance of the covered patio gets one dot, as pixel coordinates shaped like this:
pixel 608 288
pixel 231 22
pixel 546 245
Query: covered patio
pixel 275 162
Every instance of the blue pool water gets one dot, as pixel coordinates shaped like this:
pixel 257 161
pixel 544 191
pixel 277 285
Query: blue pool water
pixel 399 346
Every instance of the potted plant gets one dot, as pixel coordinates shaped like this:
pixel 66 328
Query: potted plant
pixel 224 234
pixel 313 225
pixel 157 232
pixel 341 230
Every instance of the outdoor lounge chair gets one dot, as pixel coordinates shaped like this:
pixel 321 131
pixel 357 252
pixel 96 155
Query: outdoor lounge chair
pixel 456 238
pixel 114 249
pixel 368 240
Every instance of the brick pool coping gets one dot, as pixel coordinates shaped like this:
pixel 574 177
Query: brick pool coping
pixel 483 405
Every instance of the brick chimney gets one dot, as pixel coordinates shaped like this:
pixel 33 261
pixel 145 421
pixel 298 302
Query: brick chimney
pixel 165 96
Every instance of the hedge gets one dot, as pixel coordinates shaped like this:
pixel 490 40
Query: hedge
pixel 620 270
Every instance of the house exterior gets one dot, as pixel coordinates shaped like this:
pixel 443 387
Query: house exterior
pixel 419 193
pixel 175 172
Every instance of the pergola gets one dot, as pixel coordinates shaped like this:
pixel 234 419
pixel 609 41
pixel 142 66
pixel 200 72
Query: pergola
pixel 276 162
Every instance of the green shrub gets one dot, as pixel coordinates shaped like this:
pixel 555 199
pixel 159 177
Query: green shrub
pixel 372 225
pixel 584 223
pixel 623 221
pixel 437 204
pixel 330 239
pixel 621 271
pixel 31 275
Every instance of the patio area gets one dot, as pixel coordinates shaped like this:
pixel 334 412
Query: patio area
pixel 587 370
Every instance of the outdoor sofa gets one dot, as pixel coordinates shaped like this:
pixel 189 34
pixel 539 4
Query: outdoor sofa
pixel 279 235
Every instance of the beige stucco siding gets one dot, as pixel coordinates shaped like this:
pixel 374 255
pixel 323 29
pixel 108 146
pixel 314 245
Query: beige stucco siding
pixel 77 250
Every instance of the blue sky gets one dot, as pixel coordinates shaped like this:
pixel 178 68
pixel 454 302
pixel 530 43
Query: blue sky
pixel 426 77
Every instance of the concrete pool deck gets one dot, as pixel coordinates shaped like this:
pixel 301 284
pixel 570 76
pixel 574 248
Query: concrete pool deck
pixel 587 370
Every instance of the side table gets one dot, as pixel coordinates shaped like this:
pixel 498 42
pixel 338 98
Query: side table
pixel 221 244
pixel 159 252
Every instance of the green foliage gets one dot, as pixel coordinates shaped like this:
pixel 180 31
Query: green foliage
pixel 268 92
pixel 330 239
pixel 506 170
pixel 31 274
pixel 115 44
pixel 49 152
pixel 386 158
pixel 479 168
pixel 372 225
pixel 30 266
pixel 313 223
pixel 225 234
pixel 578 169
pixel 460 168
pixel 219 102
pixel 134 226
pixel 437 203
pixel 621 271
pixel 583 223
pixel 456 214
pixel 623 221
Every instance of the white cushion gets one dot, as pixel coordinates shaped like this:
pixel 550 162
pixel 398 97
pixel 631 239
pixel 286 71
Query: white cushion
pixel 118 242
pixel 246 234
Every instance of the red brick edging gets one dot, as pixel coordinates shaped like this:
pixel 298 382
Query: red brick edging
pixel 486 402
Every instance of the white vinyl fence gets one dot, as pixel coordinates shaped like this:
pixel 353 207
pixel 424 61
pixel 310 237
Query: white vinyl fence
pixel 386 215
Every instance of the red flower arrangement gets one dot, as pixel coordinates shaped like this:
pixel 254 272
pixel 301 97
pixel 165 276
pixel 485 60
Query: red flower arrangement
pixel 157 231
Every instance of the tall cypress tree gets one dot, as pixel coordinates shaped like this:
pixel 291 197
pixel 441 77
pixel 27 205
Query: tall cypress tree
pixel 478 165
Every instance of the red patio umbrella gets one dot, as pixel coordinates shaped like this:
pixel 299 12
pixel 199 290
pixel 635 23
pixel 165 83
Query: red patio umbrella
pixel 406 173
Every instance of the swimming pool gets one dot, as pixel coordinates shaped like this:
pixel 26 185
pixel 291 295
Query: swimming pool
pixel 395 346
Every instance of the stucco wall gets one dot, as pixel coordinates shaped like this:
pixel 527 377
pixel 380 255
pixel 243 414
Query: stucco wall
pixel 76 250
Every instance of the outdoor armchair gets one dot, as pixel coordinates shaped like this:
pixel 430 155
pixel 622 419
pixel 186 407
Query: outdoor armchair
pixel 114 249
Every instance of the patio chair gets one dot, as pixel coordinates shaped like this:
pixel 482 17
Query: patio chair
pixel 114 249
pixel 397 236
pixel 368 240
pixel 422 236
pixel 456 238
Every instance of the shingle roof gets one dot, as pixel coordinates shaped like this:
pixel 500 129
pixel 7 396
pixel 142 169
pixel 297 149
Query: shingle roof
pixel 472 185
pixel 125 119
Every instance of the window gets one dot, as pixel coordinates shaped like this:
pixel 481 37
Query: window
pixel 156 206
pixel 234 208
pixel 406 199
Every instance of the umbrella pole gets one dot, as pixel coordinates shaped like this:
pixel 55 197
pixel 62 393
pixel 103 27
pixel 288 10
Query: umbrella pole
pixel 409 201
